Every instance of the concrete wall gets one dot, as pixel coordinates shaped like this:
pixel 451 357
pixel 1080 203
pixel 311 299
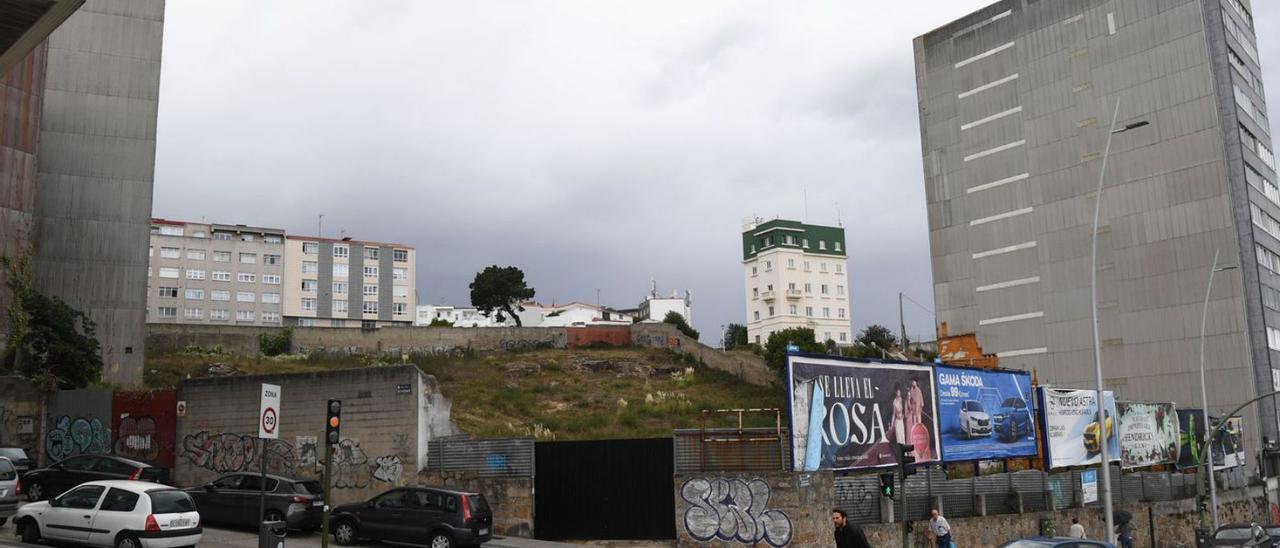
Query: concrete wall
pixel 21 92
pixel 20 416
pixel 744 509
pixel 510 498
pixel 382 422
pixel 748 367
pixel 78 422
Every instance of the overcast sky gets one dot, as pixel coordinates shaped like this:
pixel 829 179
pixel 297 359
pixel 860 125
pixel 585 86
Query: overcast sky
pixel 593 144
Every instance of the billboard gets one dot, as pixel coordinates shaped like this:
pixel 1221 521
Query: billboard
pixel 845 413
pixel 1228 445
pixel 1148 434
pixel 1190 435
pixel 984 414
pixel 1071 427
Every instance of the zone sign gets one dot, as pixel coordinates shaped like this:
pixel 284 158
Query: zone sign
pixel 269 412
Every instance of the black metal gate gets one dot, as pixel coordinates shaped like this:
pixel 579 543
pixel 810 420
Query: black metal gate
pixel 604 490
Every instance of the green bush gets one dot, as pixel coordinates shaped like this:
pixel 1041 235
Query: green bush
pixel 676 319
pixel 275 344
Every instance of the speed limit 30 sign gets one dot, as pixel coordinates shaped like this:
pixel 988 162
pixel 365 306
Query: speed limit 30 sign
pixel 269 412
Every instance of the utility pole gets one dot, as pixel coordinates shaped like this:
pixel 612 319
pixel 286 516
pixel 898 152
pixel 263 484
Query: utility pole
pixel 905 454
pixel 320 227
pixel 902 326
pixel 324 524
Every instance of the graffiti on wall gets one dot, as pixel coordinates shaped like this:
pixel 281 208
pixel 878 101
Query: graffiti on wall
pixel 136 439
pixel 82 435
pixel 306 451
pixel 733 510
pixel 229 452
pixel 350 465
pixel 387 469
pixel 16 430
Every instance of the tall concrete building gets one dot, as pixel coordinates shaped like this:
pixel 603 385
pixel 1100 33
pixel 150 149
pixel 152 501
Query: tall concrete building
pixel 1015 104
pixel 795 277
pixel 348 283
pixel 204 273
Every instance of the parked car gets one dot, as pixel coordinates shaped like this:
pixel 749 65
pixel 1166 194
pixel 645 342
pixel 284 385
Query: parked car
pixel 42 483
pixel 233 499
pixel 19 457
pixel 1242 535
pixel 117 514
pixel 1013 419
pixel 1091 442
pixel 8 489
pixel 1043 542
pixel 974 420
pixel 433 516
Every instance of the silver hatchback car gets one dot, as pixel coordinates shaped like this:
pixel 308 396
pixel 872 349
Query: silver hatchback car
pixel 8 489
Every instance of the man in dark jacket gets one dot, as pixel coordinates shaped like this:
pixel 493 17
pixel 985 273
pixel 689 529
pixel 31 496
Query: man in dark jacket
pixel 848 535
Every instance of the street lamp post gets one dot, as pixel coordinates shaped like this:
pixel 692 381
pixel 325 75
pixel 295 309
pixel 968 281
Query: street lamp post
pixel 1105 465
pixel 1204 398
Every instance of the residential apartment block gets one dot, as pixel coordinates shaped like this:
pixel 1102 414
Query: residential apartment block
pixel 348 283
pixel 215 274
pixel 795 277
pixel 1016 103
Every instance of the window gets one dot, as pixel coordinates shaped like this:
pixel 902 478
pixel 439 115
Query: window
pixel 168 272
pixel 195 294
pixel 310 248
pixel 244 315
pixel 370 307
pixel 371 272
pixel 840 290
pixel 340 270
pixel 808 311
pixel 222 236
pixel 371 253
pixel 1270 297
pixel 804 242
pixel 339 306
pixel 844 337
pixel 1261 183
pixel 271 317
pixel 791 264
pixel 400 291
pixel 192 313
pixel 221 256
pixel 273 279
pixel 808 288
pixel 1264 221
pixel 151 251
pixel 168 312
pixel 840 314
pixel 837 244
pixel 195 274
pixel 757 317
pixel 272 239
pixel 839 268
pixel 793 310
pixel 823 289
pixel 755 293
pixel 807 267
pixel 246 296
pixel 246 277
pixel 119 500
pixel 768 241
pixel 271 298
pixel 310 267
pixel 221 276
pixel 789 239
pixel 199 234
pixel 310 286
pixel 370 291
pixel 248 258
pixel 195 254
pixel 308 303
pixel 1244 13
pixel 81 498
pixel 1273 338
pixel 246 237
pixel 827 336
pixel 341 251
pixel 219 295
pixel 170 231
pixel 340 288
pixel 169 292
pixel 768 266
pixel 306 322
pixel 218 314
pixel 822 267
pixel 1245 72
pixel 1252 143
pixel 400 255
pixel 271 259
pixel 822 245
pixel 1268 259
pixel 754 271
pixel 770 311
pixel 1246 103
pixel 400 274
pixel 399 309
pixel 1234 30
pixel 826 313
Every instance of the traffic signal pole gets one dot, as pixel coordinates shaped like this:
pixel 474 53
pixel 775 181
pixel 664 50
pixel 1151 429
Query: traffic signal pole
pixel 324 523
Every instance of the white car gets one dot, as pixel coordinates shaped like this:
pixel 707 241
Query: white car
pixel 974 420
pixel 8 489
pixel 115 513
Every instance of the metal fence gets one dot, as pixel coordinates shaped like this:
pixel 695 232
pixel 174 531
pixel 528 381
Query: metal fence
pixel 502 458
pixel 732 449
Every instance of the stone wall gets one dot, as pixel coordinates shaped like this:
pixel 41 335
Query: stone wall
pixel 727 509
pixel 745 366
pixel 21 410
pixel 510 498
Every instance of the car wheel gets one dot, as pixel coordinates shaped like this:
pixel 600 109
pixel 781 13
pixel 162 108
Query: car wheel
pixel 127 541
pixel 441 540
pixel 35 491
pixel 29 530
pixel 274 515
pixel 345 533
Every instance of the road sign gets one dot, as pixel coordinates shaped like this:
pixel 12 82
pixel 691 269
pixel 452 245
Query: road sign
pixel 269 412
pixel 793 348
pixel 1089 485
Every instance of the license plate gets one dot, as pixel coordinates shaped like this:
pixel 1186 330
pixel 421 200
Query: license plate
pixel 179 523
pixel 484 531
pixel 317 503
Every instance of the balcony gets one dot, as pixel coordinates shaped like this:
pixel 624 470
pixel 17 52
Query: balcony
pixel 794 294
pixel 768 296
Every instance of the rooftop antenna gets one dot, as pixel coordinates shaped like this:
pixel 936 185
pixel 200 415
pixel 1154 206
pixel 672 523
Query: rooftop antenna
pixel 653 287
pixel 838 221
pixel 320 227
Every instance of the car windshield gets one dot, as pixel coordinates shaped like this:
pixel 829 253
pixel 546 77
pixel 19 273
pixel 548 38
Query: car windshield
pixel 13 453
pixel 1015 403
pixel 973 406
pixel 308 487
pixel 1240 533
pixel 7 471
pixel 170 501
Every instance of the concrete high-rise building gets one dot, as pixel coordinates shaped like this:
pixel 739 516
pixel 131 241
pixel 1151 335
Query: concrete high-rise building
pixel 795 277
pixel 1015 104
pixel 206 273
pixel 348 283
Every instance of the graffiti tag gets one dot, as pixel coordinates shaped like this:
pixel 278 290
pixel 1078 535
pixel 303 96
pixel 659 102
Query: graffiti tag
pixel 235 452
pixel 387 469
pixel 136 438
pixel 68 437
pixel 734 510
pixel 351 465
pixel 306 451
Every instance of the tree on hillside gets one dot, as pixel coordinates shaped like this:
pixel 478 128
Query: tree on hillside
pixel 51 343
pixel 500 290
pixel 735 336
pixel 677 319
pixel 876 335
pixel 775 350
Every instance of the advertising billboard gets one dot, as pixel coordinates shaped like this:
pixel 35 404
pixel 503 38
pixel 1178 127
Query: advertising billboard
pixel 1190 436
pixel 1071 427
pixel 984 414
pixel 1148 434
pixel 1228 445
pixel 845 413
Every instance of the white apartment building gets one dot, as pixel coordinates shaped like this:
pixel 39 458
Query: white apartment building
pixel 795 277
pixel 459 316
pixel 208 273
pixel 348 283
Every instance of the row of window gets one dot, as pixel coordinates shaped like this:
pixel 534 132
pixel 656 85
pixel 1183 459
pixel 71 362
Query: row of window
pixel 216 314
pixel 174 273
pixel 808 312
pixel 791 265
pixel 1253 109
pixel 1260 182
pixel 218 256
pixel 844 337
pixel 1273 338
pixel 788 239
pixel 823 289
pixel 1265 221
pixel 343 271
pixel 343 251
pixel 1242 11
pixel 1243 38
pixel 1252 143
pixel 340 288
pixel 1246 73
pixel 1270 297
pixel 366 307
pixel 1267 259
pixel 219 295
pixel 169 230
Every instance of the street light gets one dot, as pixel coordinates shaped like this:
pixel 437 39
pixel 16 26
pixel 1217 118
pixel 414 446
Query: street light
pixel 1097 343
pixel 1204 398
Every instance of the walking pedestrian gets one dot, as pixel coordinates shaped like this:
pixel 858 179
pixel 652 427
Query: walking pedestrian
pixel 1077 530
pixel 848 535
pixel 1125 532
pixel 940 528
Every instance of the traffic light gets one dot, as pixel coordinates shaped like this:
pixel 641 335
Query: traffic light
pixel 886 484
pixel 906 455
pixel 334 421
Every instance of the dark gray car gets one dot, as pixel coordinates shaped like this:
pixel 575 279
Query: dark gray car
pixel 432 516
pixel 233 499
pixel 18 456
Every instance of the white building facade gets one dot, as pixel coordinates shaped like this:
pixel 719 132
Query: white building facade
pixel 796 277
pixel 457 316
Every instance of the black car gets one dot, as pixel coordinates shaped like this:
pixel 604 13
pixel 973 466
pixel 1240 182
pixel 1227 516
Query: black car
pixel 431 516
pixel 1241 535
pixel 51 481
pixel 234 499
pixel 18 457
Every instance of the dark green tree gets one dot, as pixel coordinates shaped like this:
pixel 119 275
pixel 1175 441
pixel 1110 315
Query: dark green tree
pixel 275 344
pixel 440 322
pixel 52 343
pixel 735 336
pixel 500 290
pixel 677 319
pixel 877 335
pixel 775 350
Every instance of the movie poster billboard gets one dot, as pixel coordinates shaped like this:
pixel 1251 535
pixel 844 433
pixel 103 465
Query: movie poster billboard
pixel 985 414
pixel 1191 436
pixel 1228 444
pixel 1148 434
pixel 845 413
pixel 1071 427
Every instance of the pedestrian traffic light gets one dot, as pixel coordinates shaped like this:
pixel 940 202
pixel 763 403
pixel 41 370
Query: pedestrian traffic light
pixel 334 421
pixel 886 484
